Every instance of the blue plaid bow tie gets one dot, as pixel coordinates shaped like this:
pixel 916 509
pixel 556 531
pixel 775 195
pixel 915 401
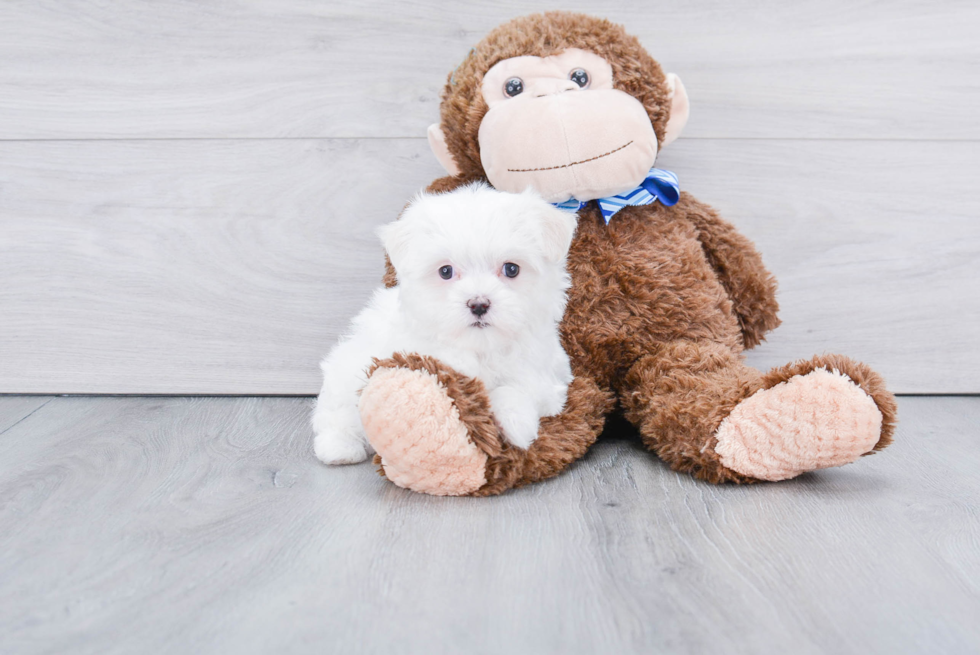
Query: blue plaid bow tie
pixel 659 185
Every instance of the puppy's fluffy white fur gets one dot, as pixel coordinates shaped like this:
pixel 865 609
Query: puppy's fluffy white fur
pixel 513 346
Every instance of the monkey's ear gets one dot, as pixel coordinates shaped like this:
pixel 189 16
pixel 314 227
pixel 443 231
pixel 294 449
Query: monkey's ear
pixel 437 141
pixel 680 109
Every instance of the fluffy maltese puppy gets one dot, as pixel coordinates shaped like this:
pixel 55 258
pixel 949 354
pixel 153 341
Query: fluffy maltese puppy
pixel 481 287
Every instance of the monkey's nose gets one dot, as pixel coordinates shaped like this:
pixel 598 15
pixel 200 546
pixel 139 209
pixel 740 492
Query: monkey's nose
pixel 478 306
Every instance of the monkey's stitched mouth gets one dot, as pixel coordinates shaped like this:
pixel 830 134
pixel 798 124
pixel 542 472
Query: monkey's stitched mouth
pixel 574 163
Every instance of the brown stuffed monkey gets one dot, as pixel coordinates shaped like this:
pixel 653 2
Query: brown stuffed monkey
pixel 665 295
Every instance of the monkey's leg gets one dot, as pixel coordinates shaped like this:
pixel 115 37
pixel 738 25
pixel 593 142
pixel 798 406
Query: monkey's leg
pixel 703 411
pixel 434 432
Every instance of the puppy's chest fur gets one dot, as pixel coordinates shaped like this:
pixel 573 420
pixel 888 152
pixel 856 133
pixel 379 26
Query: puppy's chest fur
pixel 497 367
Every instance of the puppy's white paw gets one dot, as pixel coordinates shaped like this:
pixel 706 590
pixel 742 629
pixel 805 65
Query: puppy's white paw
pixel 335 449
pixel 552 403
pixel 339 437
pixel 516 415
pixel 520 433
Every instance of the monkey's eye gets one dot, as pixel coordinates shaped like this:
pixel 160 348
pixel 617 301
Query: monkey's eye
pixel 446 272
pixel 513 87
pixel 580 77
pixel 511 270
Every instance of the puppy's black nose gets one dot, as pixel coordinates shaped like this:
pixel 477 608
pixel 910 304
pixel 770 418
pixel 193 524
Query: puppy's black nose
pixel 478 306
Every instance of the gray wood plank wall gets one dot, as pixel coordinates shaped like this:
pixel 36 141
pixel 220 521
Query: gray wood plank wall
pixel 188 191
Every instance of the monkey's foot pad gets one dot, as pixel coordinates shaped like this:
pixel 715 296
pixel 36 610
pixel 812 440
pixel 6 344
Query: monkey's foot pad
pixel 813 421
pixel 414 425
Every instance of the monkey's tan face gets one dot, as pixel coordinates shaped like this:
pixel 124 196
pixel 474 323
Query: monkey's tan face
pixel 557 124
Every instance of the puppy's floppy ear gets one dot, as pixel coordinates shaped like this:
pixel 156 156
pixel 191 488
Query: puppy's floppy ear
pixel 396 237
pixel 557 230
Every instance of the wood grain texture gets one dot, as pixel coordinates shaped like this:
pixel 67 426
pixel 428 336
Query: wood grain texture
pixel 205 525
pixel 231 266
pixel 191 266
pixel 303 68
pixel 14 409
pixel 876 246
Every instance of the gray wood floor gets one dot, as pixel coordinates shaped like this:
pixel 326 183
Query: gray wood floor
pixel 204 525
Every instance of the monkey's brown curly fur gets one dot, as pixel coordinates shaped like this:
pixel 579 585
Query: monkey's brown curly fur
pixel 663 299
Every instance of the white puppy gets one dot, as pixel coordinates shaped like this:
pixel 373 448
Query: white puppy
pixel 481 287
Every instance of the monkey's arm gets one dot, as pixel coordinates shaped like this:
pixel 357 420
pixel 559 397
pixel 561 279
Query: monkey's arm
pixel 739 266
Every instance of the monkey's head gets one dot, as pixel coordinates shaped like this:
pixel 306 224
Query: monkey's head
pixel 565 103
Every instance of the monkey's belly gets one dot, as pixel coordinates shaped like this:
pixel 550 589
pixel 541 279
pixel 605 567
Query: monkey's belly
pixel 637 283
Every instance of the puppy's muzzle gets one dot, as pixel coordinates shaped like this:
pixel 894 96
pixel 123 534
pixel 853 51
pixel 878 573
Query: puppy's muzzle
pixel 478 306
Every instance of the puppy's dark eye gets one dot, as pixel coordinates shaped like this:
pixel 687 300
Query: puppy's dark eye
pixel 513 87
pixel 446 272
pixel 511 270
pixel 580 77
